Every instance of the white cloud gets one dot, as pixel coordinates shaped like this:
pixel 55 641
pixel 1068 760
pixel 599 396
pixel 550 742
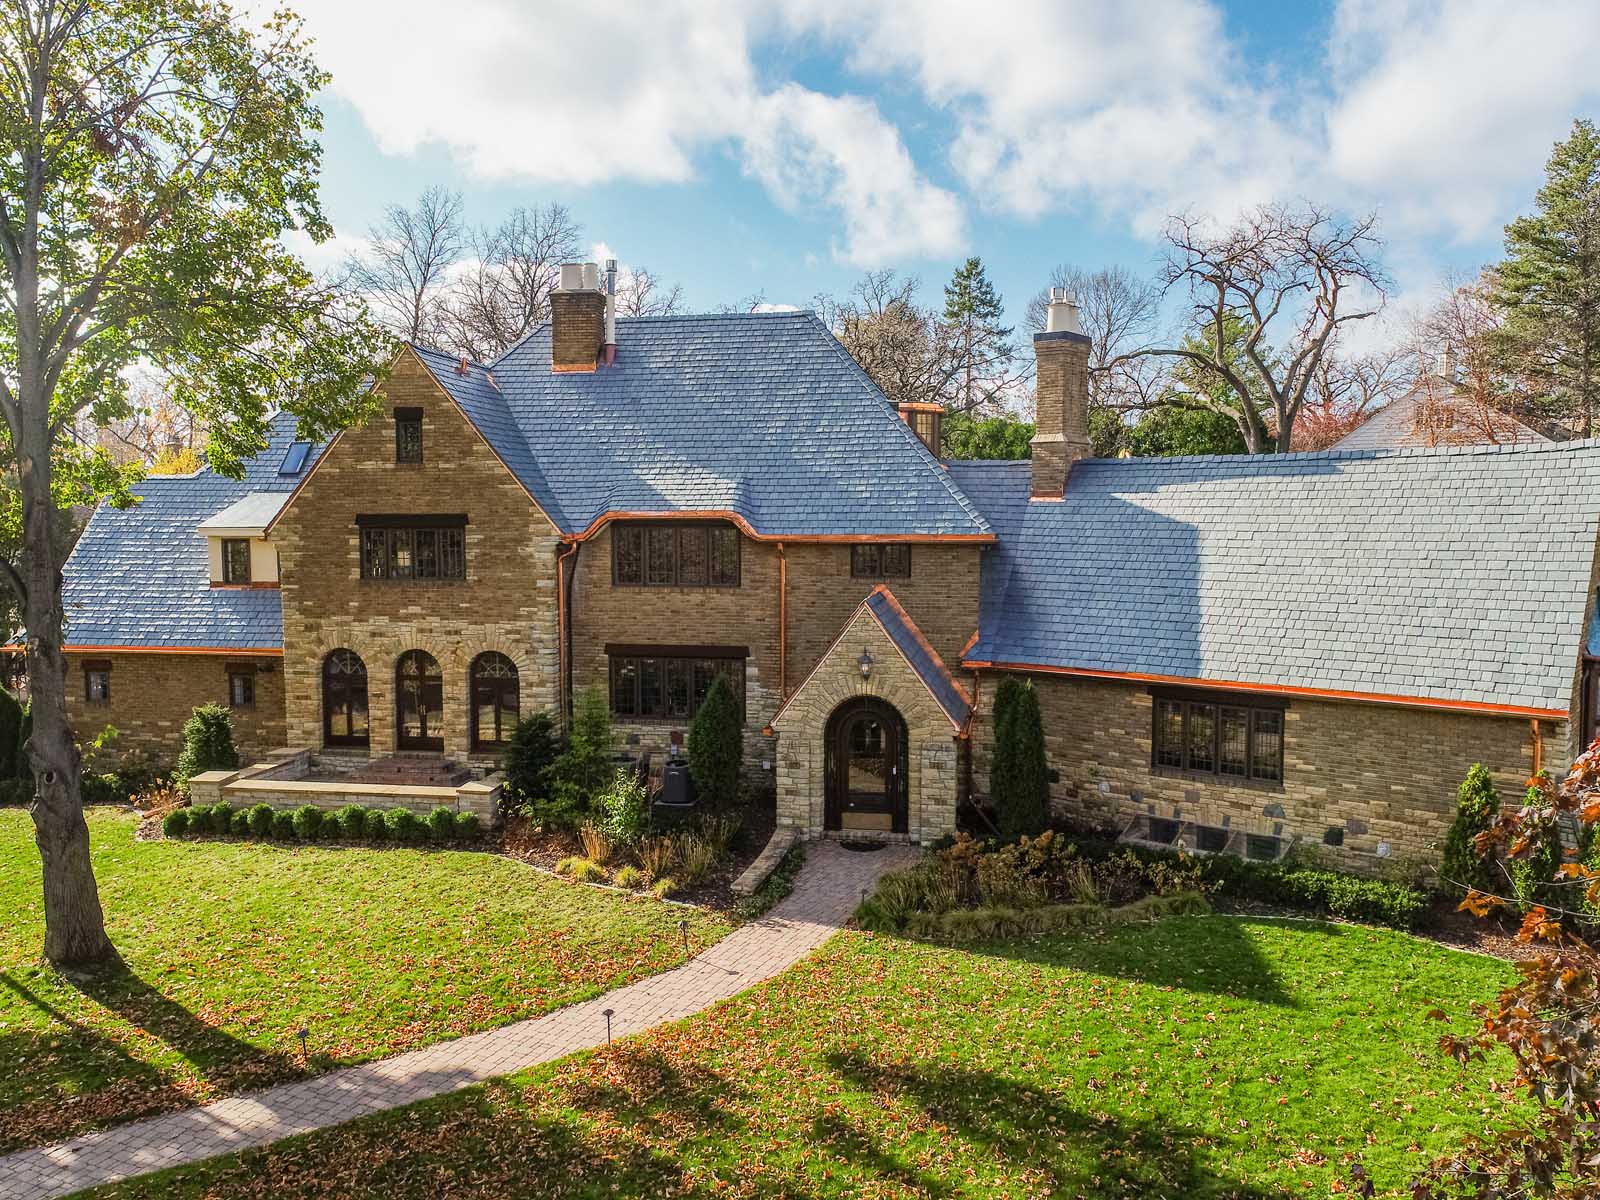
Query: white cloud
pixel 1447 111
pixel 1437 112
pixel 615 91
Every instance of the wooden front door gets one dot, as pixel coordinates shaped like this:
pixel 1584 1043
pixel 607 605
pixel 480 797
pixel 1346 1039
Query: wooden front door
pixel 866 768
pixel 419 702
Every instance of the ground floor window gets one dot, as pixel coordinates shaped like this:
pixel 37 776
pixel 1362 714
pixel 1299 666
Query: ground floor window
pixel 241 687
pixel 97 682
pixel 344 699
pixel 1218 736
pixel 670 683
pixel 494 700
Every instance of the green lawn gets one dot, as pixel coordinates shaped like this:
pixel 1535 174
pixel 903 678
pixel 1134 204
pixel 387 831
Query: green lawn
pixel 229 948
pixel 1203 1056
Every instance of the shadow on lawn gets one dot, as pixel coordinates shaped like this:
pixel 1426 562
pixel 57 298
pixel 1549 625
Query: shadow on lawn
pixel 1075 1152
pixel 80 1077
pixel 1197 954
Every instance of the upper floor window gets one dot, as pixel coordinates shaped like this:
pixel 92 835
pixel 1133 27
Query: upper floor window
pixel 235 560
pixel 97 682
pixel 1219 737
pixel 294 459
pixel 408 435
pixel 674 555
pixel 881 560
pixel 413 547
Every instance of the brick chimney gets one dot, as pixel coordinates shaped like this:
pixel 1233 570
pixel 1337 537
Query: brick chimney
pixel 577 318
pixel 1061 397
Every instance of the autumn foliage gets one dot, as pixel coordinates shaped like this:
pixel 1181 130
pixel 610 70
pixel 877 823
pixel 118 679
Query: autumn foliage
pixel 1546 1021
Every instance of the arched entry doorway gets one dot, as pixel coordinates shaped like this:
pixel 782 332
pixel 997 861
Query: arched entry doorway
pixel 865 770
pixel 344 699
pixel 419 702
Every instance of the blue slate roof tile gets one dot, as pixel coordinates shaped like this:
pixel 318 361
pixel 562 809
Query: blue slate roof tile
pixel 762 415
pixel 921 656
pixel 1455 574
pixel 140 576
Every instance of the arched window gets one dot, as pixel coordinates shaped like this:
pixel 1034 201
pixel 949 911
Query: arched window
pixel 494 700
pixel 419 702
pixel 344 699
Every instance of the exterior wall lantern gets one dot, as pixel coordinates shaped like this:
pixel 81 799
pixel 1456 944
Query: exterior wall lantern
pixel 865 663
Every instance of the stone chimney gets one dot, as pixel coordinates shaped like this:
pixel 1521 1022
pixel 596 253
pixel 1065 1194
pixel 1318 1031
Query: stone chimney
pixel 1061 397
pixel 577 318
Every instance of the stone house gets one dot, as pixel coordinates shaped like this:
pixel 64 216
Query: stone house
pixel 1242 652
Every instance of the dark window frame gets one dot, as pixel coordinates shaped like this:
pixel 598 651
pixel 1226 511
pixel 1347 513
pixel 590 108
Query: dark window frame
pixel 681 677
pixel 412 548
pixel 870 560
pixel 408 437
pixel 229 573
pixel 91 669
pixel 505 717
pixel 241 696
pixel 345 685
pixel 1194 734
pixel 680 554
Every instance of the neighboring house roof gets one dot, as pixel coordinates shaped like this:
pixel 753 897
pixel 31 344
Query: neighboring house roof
pixel 140 576
pixel 762 417
pixel 1432 413
pixel 1458 576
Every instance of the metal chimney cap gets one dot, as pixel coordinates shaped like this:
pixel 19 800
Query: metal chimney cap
pixel 1062 314
pixel 580 277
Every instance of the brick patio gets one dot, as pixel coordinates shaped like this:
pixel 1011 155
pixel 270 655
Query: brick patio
pixel 826 892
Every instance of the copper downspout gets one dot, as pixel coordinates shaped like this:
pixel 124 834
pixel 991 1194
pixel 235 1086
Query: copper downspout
pixel 1538 746
pixel 564 624
pixel 783 623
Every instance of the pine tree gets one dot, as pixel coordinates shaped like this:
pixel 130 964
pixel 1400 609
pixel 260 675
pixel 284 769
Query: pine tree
pixel 1477 807
pixel 973 312
pixel 1549 282
pixel 585 768
pixel 1019 776
pixel 716 746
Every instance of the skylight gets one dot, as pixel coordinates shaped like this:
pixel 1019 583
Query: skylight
pixel 295 459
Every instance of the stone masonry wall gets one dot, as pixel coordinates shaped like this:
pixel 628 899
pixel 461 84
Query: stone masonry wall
pixel 507 603
pixel 932 757
pixel 1382 773
pixel 153 694
pixel 941 596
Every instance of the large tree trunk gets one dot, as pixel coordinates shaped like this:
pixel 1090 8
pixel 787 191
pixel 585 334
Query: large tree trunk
pixel 74 926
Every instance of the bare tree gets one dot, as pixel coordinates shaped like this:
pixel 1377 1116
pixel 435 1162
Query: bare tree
pixel 404 273
pixel 1484 393
pixel 640 293
pixel 506 293
pixel 1346 390
pixel 1295 277
pixel 1119 312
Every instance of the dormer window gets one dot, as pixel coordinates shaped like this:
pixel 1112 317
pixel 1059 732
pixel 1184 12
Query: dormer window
pixel 408 435
pixel 235 560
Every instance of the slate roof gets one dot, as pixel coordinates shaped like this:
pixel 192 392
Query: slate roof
pixel 140 576
pixel 921 656
pixel 762 415
pixel 1458 575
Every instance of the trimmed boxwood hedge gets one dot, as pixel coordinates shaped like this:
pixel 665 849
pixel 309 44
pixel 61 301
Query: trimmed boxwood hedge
pixel 443 826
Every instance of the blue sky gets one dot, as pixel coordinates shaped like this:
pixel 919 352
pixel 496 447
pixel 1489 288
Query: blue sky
pixel 785 147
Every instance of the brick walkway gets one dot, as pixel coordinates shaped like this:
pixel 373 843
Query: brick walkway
pixel 826 892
